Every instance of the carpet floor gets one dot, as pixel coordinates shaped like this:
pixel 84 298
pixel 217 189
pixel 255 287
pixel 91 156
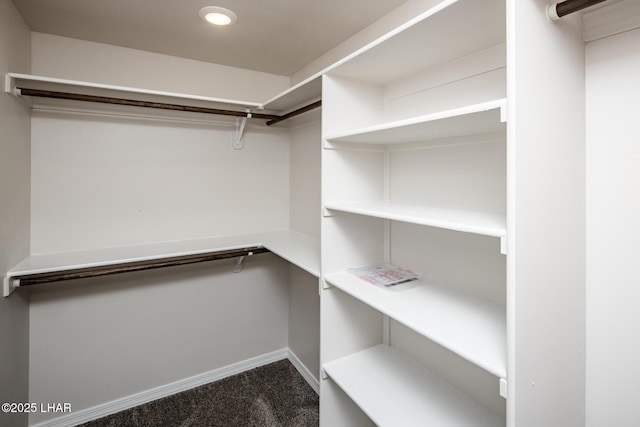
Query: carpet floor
pixel 268 396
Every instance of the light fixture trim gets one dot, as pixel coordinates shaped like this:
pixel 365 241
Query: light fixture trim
pixel 218 15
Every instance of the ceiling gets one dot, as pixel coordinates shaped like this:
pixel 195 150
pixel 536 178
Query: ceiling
pixel 273 36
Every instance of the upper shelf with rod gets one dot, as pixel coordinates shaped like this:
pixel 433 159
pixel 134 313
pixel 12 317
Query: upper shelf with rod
pixel 297 248
pixel 45 91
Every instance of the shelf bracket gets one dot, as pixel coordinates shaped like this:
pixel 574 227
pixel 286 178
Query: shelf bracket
pixel 240 262
pixel 555 11
pixel 327 212
pixel 10 284
pixel 503 387
pixel 238 137
pixel 503 245
pixel 8 84
pixel 325 285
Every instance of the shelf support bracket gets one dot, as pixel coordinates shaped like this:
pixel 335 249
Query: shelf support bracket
pixel 240 262
pixel 238 137
pixel 555 11
pixel 8 86
pixel 503 387
pixel 10 284
pixel 503 245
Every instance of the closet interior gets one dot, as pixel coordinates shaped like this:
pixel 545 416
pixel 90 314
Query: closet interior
pixel 427 168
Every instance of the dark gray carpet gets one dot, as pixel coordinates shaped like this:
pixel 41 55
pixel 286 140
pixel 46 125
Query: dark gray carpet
pixel 272 395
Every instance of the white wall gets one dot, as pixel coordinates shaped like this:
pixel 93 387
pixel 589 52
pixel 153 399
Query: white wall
pixel 304 217
pixel 103 180
pixel 63 57
pixel 14 214
pixel 613 229
pixel 304 210
pixel 108 181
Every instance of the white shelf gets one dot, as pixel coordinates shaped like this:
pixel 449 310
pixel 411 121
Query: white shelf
pixel 394 391
pixel 298 95
pixel 472 327
pixel 296 248
pixel 485 223
pixel 487 117
pixel 451 29
pixel 14 80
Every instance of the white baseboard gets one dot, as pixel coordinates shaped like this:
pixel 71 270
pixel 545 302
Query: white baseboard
pixel 102 410
pixel 306 374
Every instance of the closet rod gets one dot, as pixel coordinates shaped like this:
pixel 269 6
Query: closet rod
pixel 556 11
pixel 273 118
pixel 126 267
pixel 134 103
pixel 294 113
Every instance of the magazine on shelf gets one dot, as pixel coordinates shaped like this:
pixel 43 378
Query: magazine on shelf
pixel 386 276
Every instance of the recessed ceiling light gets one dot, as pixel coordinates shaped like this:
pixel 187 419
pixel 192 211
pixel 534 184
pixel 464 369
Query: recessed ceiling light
pixel 218 15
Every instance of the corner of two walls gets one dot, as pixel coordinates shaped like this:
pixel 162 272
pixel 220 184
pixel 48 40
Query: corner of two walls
pixel 14 213
pixel 304 217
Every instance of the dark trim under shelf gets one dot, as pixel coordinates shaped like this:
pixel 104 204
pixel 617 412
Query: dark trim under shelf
pixel 103 270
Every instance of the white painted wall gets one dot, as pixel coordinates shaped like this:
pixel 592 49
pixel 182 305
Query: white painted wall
pixel 304 319
pixel 546 224
pixel 67 58
pixel 14 214
pixel 304 217
pixel 104 181
pixel 613 229
pixel 304 164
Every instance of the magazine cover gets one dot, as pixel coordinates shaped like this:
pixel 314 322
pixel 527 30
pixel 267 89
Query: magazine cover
pixel 386 276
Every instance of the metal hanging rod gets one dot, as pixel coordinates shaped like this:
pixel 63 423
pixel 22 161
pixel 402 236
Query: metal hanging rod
pixel 160 105
pixel 556 11
pixel 294 113
pixel 126 267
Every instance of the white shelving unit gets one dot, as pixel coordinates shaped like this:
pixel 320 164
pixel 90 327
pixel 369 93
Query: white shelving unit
pixel 414 166
pixel 398 391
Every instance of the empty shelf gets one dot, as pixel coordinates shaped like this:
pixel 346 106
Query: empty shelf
pixel 476 119
pixel 393 390
pixel 485 223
